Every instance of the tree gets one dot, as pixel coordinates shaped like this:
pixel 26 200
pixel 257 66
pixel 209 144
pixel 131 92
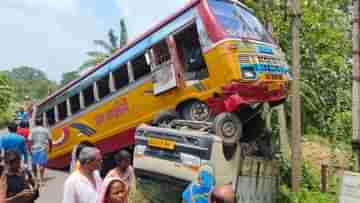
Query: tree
pixel 68 77
pixel 115 42
pixel 28 81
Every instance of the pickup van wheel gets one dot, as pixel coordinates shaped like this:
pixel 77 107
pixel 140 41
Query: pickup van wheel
pixel 164 118
pixel 229 127
pixel 195 111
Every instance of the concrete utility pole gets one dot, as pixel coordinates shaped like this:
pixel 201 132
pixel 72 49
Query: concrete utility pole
pixel 295 102
pixel 356 78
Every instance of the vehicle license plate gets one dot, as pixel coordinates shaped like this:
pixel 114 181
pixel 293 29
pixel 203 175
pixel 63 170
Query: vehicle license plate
pixel 161 143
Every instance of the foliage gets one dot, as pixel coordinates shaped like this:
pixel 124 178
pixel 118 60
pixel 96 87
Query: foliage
pixel 305 196
pixel 6 99
pixel 115 42
pixel 325 55
pixel 31 82
pixel 68 77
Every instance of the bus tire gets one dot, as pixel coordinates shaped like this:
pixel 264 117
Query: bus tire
pixel 164 118
pixel 195 111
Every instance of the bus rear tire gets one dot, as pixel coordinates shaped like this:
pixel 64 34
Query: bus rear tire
pixel 164 118
pixel 195 111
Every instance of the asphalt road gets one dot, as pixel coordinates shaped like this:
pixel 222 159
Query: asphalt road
pixel 52 192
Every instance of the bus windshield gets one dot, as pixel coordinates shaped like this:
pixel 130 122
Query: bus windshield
pixel 238 21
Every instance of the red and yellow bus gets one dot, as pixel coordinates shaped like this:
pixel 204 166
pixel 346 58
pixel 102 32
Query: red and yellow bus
pixel 211 56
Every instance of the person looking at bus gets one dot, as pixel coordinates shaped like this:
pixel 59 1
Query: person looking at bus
pixel 222 194
pixel 13 141
pixel 113 190
pixel 198 191
pixel 22 115
pixel 24 131
pixel 123 170
pixel 83 185
pixel 21 187
pixel 41 144
pixel 75 164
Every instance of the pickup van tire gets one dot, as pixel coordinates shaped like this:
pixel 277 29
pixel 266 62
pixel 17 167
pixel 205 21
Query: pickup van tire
pixel 195 111
pixel 229 127
pixel 165 117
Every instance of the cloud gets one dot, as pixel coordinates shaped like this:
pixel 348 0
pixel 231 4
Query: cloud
pixel 141 15
pixel 50 35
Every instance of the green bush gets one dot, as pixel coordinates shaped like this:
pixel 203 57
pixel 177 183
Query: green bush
pixel 304 196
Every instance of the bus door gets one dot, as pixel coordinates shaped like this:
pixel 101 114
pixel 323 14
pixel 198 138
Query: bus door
pixel 165 72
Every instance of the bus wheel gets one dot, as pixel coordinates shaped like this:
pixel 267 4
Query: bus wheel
pixel 229 127
pixel 196 111
pixel 164 118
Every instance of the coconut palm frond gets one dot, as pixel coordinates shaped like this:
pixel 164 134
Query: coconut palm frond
pixel 113 39
pixel 106 46
pixel 124 33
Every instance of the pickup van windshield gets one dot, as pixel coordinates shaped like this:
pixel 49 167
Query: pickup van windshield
pixel 238 21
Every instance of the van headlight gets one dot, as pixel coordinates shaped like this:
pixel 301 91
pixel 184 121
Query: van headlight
pixel 140 150
pixel 190 160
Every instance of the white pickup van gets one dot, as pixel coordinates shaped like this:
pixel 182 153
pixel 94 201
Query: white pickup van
pixel 179 154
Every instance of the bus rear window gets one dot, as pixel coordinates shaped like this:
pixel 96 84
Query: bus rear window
pixel 104 86
pixel 62 110
pixel 89 97
pixel 140 66
pixel 121 77
pixel 50 117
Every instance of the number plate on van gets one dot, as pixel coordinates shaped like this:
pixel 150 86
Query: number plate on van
pixel 160 143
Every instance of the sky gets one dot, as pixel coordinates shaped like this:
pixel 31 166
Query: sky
pixel 54 35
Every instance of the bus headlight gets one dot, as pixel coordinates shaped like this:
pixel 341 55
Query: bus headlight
pixel 140 150
pixel 248 74
pixel 193 162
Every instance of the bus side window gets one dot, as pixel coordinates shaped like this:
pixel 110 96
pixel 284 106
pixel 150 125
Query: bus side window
pixel 104 86
pixel 50 117
pixel 62 110
pixel 121 77
pixel 89 97
pixel 140 66
pixel 161 53
pixel 190 53
pixel 75 103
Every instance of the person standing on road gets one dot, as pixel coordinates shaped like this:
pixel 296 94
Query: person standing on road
pixel 123 170
pixel 113 190
pixel 21 187
pixel 25 132
pixel 198 191
pixel 74 164
pixel 41 144
pixel 84 184
pixel 13 141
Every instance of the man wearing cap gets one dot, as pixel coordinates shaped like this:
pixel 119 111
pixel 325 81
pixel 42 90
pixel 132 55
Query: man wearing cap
pixel 83 185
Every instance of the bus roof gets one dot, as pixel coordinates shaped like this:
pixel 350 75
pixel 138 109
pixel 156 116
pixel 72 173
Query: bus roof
pixel 120 51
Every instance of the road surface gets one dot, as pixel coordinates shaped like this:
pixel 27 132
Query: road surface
pixel 53 190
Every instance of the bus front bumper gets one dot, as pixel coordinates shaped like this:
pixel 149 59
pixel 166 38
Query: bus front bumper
pixel 236 95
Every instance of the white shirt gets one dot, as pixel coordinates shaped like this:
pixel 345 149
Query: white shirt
pixel 78 189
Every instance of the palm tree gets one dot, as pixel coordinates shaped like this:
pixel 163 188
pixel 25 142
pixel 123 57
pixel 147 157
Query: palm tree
pixel 109 47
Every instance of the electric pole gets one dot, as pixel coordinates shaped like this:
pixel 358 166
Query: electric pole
pixel 356 79
pixel 295 102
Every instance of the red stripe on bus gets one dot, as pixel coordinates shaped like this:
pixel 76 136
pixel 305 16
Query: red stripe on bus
pixel 107 145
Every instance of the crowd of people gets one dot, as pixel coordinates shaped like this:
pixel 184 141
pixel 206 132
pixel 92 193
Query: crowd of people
pixel 20 184
pixel 20 181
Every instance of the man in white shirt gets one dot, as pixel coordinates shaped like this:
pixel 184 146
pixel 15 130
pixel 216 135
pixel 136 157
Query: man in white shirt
pixel 84 184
